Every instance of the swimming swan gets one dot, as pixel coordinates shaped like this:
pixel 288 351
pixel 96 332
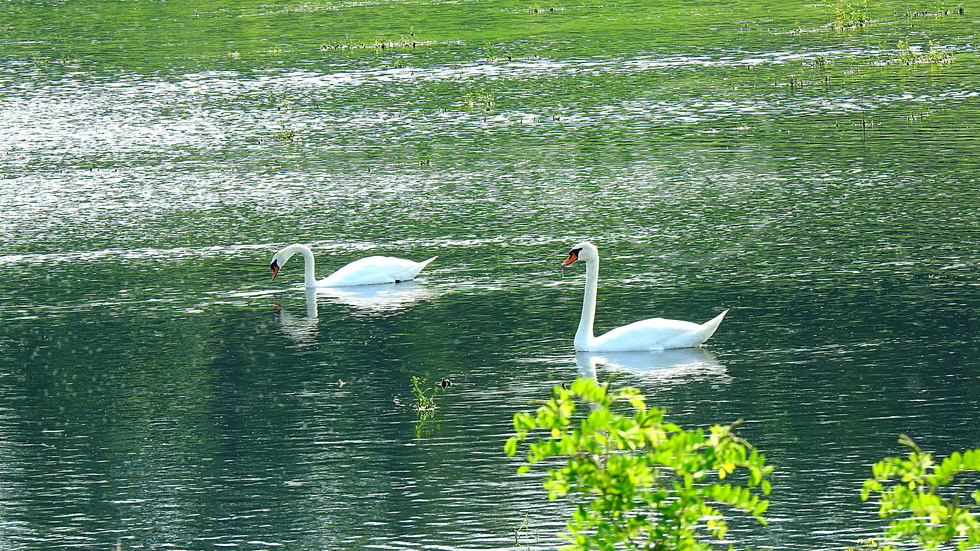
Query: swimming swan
pixel 366 271
pixel 651 334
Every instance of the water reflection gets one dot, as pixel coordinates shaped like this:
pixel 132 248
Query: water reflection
pixel 662 364
pixel 377 299
pixel 372 300
pixel 301 329
pixel 141 399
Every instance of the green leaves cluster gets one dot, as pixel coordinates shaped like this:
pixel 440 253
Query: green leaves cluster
pixel 424 395
pixel 909 487
pixel 849 14
pixel 644 484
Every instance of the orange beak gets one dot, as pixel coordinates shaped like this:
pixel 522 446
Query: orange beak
pixel 572 257
pixel 275 269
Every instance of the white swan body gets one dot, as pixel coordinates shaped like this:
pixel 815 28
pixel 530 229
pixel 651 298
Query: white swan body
pixel 650 334
pixel 371 270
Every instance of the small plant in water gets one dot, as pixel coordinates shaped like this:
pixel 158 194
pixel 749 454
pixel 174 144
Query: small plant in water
pixel 642 483
pixel 939 9
pixel 425 403
pixel 909 487
pixel 934 54
pixel 850 14
pixel 424 396
pixel 409 40
pixel 285 134
pixel 480 101
pixel 868 544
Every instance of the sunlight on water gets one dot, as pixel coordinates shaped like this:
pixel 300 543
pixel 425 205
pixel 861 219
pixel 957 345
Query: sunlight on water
pixel 159 389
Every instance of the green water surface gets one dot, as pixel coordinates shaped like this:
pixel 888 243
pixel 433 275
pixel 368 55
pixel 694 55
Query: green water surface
pixel 159 391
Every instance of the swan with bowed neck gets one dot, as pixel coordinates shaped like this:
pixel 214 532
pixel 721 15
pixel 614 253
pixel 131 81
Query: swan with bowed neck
pixel 650 334
pixel 371 270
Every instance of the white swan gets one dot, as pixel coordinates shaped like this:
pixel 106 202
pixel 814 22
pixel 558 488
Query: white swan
pixel 651 334
pixel 366 271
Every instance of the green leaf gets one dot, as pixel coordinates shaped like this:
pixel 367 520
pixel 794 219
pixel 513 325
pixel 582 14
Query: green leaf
pixel 510 448
pixel 633 476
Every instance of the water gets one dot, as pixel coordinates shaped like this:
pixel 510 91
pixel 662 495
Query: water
pixel 159 391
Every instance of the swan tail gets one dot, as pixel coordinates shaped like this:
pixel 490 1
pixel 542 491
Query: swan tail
pixel 418 268
pixel 410 270
pixel 697 336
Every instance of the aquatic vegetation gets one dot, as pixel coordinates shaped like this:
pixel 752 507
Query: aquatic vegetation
pixel 425 403
pixel 911 56
pixel 643 483
pixel 409 40
pixel 849 14
pixel 866 544
pixel 909 487
pixel 797 82
pixel 818 61
pixel 939 10
pixel 425 395
pixel 285 134
pixel 523 527
pixel 480 100
pixel 918 115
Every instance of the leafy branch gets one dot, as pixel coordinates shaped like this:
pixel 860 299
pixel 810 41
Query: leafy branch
pixel 644 483
pixel 927 517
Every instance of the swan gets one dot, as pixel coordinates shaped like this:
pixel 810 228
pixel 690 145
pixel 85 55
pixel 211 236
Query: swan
pixel 650 334
pixel 366 271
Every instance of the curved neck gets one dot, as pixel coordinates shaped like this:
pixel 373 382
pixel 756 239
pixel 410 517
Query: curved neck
pixel 307 258
pixel 584 335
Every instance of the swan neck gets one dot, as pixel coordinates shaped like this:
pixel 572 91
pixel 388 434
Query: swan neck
pixel 310 269
pixel 584 336
pixel 309 264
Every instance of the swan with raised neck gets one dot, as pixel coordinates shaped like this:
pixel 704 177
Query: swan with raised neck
pixel 649 334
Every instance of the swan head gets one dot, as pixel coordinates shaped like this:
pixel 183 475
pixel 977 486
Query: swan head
pixel 280 258
pixel 584 251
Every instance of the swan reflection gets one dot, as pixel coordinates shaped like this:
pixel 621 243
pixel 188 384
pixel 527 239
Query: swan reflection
pixel 663 364
pixel 378 298
pixel 370 299
pixel 302 329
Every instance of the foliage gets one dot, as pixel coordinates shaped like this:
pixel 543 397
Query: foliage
pixel 424 396
pixel 425 403
pixel 849 14
pixel 645 484
pixel 927 517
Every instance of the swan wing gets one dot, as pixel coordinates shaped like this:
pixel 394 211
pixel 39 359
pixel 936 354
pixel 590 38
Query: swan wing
pixel 373 270
pixel 657 334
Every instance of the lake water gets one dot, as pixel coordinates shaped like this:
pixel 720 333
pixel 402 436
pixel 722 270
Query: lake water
pixel 159 391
